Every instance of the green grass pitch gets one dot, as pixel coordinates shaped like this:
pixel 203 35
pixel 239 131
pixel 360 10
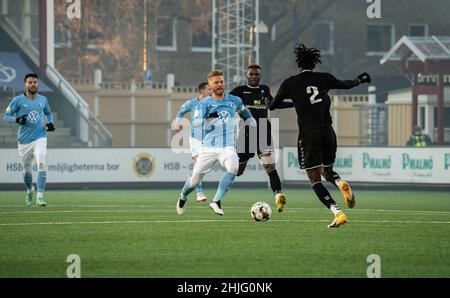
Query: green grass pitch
pixel 137 233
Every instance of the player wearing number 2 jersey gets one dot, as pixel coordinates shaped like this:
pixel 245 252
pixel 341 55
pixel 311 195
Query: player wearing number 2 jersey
pixel 316 139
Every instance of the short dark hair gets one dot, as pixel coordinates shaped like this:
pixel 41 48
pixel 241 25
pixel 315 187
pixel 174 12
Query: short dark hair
pixel 254 66
pixel 306 58
pixel 202 86
pixel 30 75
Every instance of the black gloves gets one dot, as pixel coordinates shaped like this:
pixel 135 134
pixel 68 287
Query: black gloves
pixel 50 127
pixel 21 120
pixel 364 78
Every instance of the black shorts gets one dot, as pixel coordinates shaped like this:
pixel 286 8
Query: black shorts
pixel 251 140
pixel 317 147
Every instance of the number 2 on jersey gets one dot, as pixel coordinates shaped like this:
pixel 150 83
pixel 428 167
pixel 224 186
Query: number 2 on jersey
pixel 314 91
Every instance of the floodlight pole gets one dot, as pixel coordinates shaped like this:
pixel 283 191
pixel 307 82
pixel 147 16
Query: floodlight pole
pixel 235 38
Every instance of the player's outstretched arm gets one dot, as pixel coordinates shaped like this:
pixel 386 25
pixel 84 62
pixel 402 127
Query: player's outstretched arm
pixel 348 84
pixel 10 114
pixel 185 108
pixel 277 101
pixel 282 105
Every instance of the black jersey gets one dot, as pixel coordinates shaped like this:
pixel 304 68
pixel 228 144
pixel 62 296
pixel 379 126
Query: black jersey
pixel 308 91
pixel 254 98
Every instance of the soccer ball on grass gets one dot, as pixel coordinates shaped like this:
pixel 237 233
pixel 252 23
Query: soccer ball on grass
pixel 261 211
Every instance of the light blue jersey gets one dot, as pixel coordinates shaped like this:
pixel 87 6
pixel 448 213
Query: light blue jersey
pixel 191 106
pixel 35 109
pixel 215 121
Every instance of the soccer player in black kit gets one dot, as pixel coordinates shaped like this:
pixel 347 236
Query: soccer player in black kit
pixel 316 139
pixel 254 97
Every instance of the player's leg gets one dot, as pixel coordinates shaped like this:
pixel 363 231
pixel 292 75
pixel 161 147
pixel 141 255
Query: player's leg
pixel 329 156
pixel 26 158
pixel 195 146
pixel 40 152
pixel 204 163
pixel 344 186
pixel 243 160
pixel 201 197
pixel 268 161
pixel 324 196
pixel 310 159
pixel 230 161
pixel 199 188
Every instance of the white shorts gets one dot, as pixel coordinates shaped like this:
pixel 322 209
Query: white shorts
pixel 208 158
pixel 195 145
pixel 36 149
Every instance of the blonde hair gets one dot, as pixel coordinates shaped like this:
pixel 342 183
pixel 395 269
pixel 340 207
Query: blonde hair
pixel 214 73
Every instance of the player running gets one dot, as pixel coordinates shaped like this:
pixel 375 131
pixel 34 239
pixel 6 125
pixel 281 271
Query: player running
pixel 214 124
pixel 254 97
pixel 317 139
pixel 192 106
pixel 28 110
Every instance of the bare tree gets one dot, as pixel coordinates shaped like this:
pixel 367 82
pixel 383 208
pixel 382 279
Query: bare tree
pixel 299 13
pixel 109 36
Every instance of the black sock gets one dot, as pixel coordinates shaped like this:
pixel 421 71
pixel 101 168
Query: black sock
pixel 275 182
pixel 323 194
pixel 331 177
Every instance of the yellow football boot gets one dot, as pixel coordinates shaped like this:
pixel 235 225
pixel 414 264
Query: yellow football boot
pixel 346 191
pixel 280 200
pixel 339 219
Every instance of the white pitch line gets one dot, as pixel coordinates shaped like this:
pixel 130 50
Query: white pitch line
pixel 422 212
pixel 84 211
pixel 215 220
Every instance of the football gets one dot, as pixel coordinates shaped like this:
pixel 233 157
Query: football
pixel 261 211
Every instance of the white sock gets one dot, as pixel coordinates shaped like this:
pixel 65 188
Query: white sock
pixel 335 209
pixel 40 195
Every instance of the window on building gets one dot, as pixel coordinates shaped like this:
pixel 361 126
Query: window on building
pixel 63 37
pixel 422 117
pixel 380 38
pixel 323 37
pixel 446 117
pixel 166 31
pixel 418 30
pixel 201 35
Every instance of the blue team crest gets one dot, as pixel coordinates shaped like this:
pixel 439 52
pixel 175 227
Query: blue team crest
pixel 223 116
pixel 33 117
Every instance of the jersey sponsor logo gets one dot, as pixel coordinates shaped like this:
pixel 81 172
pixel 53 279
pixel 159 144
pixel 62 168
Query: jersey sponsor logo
pixel 223 116
pixel 33 117
pixel 143 165
pixel 261 107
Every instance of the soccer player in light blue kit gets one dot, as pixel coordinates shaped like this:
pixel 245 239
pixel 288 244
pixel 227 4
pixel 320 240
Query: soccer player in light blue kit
pixel 28 110
pixel 215 123
pixel 192 106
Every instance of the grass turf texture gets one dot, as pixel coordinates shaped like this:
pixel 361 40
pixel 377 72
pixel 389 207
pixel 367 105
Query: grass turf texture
pixel 133 233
